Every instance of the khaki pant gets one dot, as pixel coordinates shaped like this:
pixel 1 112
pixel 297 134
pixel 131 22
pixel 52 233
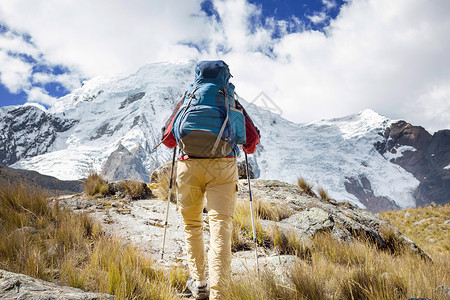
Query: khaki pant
pixel 217 179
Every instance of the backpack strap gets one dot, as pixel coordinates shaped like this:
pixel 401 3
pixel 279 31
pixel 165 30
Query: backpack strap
pixel 222 129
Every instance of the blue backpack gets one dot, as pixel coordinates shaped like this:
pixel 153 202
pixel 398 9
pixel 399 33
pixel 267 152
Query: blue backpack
pixel 208 124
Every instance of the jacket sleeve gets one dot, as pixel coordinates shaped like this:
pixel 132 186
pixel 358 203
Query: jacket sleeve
pixel 168 138
pixel 251 131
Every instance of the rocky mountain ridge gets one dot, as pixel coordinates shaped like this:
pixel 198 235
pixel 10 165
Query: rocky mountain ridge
pixel 53 186
pixel 427 158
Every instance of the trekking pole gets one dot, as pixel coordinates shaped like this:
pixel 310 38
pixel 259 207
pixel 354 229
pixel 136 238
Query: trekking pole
pixel 168 199
pixel 251 209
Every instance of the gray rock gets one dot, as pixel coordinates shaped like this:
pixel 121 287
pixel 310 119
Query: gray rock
pixel 19 286
pixel 162 172
pixel 311 221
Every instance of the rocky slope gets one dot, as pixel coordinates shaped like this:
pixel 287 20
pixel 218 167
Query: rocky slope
pixel 27 131
pixel 425 156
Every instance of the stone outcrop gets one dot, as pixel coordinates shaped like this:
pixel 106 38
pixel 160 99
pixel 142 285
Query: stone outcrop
pixel 242 169
pixel 312 215
pixel 18 286
pixel 427 163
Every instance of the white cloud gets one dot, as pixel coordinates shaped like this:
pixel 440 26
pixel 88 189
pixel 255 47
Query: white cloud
pixel 38 95
pixel 329 3
pixel 70 81
pixel 15 43
pixel 318 18
pixel 14 73
pixel 391 56
pixel 433 105
pixel 17 59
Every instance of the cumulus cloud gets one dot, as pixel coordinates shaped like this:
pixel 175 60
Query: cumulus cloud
pixel 39 95
pixel 19 61
pixel 391 56
pixel 14 73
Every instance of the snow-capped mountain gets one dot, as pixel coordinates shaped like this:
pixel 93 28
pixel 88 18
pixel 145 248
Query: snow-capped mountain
pixel 112 123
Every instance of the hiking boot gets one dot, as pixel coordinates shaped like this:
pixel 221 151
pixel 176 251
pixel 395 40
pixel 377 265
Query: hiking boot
pixel 197 288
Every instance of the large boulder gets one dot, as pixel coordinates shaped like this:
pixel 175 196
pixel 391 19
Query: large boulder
pixel 19 286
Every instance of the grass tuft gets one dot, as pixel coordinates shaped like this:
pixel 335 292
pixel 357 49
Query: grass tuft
pixel 242 235
pixel 289 243
pixel 135 189
pixel 271 211
pixel 94 184
pixel 392 240
pixel 305 187
pixel 323 194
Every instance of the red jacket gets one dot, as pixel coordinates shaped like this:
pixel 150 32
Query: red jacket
pixel 251 131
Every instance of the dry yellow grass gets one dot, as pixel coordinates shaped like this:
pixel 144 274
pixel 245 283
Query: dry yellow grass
pixel 425 226
pixel 339 270
pixel 71 249
pixel 323 194
pixel 94 184
pixel 271 211
pixel 329 269
pixel 242 235
pixel 305 187
pixel 162 186
pixel 135 189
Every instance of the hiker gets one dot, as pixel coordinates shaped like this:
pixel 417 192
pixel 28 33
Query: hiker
pixel 207 125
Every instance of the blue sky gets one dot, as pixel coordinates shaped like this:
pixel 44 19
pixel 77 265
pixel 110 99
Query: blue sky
pixel 317 59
